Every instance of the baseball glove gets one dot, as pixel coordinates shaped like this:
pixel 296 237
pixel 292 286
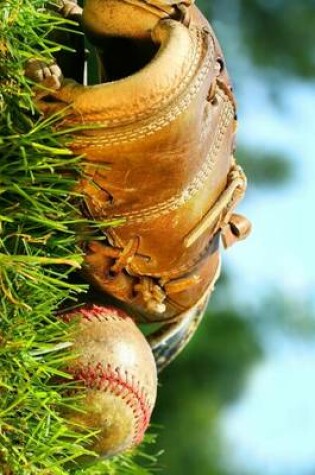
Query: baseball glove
pixel 159 157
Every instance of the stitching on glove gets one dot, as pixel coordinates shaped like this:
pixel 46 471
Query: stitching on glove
pixel 149 213
pixel 155 123
pixel 195 54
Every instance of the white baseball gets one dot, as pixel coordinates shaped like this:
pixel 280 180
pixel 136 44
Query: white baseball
pixel 117 367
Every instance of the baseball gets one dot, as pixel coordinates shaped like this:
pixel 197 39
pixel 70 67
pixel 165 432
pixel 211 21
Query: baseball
pixel 116 365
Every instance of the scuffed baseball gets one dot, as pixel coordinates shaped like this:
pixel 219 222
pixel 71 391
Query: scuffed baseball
pixel 117 367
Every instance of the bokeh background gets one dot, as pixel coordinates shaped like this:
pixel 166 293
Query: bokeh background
pixel 241 399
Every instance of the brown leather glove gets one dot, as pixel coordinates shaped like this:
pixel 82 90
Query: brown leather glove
pixel 159 152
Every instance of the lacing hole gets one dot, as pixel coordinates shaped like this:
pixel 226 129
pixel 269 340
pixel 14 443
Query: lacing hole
pixel 220 65
pixel 214 101
pixel 111 275
pixel 182 14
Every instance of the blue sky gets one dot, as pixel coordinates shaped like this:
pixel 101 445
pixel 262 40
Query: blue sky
pixel 280 251
pixel 272 428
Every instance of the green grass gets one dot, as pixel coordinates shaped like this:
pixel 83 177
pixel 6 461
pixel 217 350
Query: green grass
pixel 39 227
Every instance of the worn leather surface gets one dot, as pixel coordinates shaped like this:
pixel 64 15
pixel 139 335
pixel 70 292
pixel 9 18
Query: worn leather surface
pixel 158 153
pixel 114 363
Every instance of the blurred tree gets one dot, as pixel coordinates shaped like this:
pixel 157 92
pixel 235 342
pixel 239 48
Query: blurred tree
pixel 287 315
pixel 265 168
pixel 280 32
pixel 273 40
pixel 207 377
pixel 275 34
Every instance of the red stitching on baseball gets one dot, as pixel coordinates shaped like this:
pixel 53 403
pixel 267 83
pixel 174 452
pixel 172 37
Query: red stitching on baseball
pixel 109 379
pixel 91 311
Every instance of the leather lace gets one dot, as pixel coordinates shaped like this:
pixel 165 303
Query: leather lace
pixel 152 294
pixel 219 215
